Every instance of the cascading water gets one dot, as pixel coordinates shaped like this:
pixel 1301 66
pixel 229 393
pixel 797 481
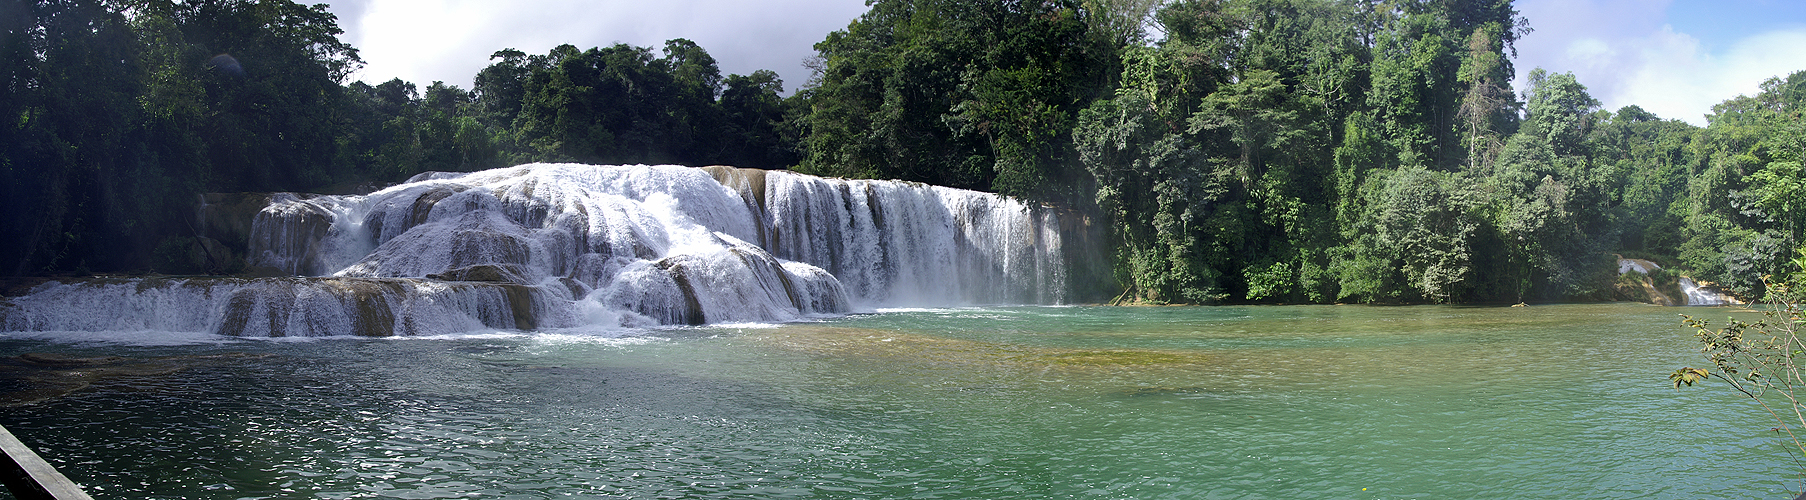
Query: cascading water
pixel 1692 294
pixel 897 244
pixel 565 245
pixel 1701 296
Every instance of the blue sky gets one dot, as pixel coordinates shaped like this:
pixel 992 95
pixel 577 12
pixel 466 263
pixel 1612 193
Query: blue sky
pixel 1675 58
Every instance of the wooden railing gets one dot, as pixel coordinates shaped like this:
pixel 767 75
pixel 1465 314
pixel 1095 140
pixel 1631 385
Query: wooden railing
pixel 30 477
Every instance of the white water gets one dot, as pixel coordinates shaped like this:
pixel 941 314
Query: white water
pixel 1638 265
pixel 276 307
pixel 1700 296
pixel 566 245
pixel 894 244
pixel 1692 293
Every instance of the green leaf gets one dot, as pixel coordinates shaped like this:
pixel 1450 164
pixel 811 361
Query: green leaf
pixel 1687 375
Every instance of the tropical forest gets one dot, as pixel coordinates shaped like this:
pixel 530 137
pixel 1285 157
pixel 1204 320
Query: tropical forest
pixel 1291 151
pixel 1398 263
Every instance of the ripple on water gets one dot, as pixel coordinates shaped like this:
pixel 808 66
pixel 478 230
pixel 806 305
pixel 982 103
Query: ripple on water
pixel 1126 402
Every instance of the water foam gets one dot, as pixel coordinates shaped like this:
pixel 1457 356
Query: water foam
pixel 1702 296
pixel 548 246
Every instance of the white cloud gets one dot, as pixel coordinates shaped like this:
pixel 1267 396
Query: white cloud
pixel 1759 57
pixel 1626 52
pixel 1671 75
pixel 422 41
pixel 1591 51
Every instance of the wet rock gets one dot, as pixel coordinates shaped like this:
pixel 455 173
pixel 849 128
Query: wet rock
pixel 692 313
pixel 228 217
pixel 283 306
pixel 490 273
pixel 313 307
pixel 379 307
pixel 289 233
pixel 470 239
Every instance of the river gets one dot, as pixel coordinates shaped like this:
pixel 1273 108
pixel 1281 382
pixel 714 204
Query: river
pixel 1565 401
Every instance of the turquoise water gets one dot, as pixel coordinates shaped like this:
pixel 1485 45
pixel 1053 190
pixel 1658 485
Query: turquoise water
pixel 1564 401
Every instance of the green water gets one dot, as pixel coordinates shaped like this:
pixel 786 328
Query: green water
pixel 1224 402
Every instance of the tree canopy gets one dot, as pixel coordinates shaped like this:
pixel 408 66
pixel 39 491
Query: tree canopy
pixel 1240 150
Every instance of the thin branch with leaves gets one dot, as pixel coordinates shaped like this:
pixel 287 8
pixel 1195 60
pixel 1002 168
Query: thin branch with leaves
pixel 1762 359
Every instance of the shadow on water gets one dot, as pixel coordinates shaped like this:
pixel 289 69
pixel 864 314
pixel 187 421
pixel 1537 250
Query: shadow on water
pixel 36 377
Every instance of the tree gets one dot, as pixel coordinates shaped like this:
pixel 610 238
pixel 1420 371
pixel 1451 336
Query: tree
pixel 1560 110
pixel 1280 141
pixel 1156 185
pixel 620 104
pixel 1737 220
pixel 1779 190
pixel 1417 241
pixel 72 79
pixel 1649 159
pixel 1552 203
pixel 1487 109
pixel 753 133
pixel 962 93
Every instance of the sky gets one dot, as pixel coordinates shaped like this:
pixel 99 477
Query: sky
pixel 1674 58
pixel 423 41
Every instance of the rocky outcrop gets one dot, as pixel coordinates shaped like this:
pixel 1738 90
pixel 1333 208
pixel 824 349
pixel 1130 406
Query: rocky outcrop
pixel 1636 285
pixel 289 234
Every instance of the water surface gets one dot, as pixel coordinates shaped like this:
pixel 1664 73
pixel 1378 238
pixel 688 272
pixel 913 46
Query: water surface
pixel 1032 402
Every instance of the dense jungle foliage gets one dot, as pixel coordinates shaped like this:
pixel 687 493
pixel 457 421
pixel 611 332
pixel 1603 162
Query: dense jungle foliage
pixel 1243 150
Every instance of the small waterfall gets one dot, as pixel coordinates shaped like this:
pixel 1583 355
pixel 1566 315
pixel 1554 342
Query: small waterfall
pixel 1704 296
pixel 562 245
pixel 279 307
pixel 1692 294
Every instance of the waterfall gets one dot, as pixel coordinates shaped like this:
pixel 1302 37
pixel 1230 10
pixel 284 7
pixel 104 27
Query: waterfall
pixel 899 244
pixel 1692 294
pixel 1703 296
pixel 568 245
pixel 280 307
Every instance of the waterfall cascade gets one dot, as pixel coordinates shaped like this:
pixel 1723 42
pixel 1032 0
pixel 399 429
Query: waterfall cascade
pixel 1692 294
pixel 1704 296
pixel 564 245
